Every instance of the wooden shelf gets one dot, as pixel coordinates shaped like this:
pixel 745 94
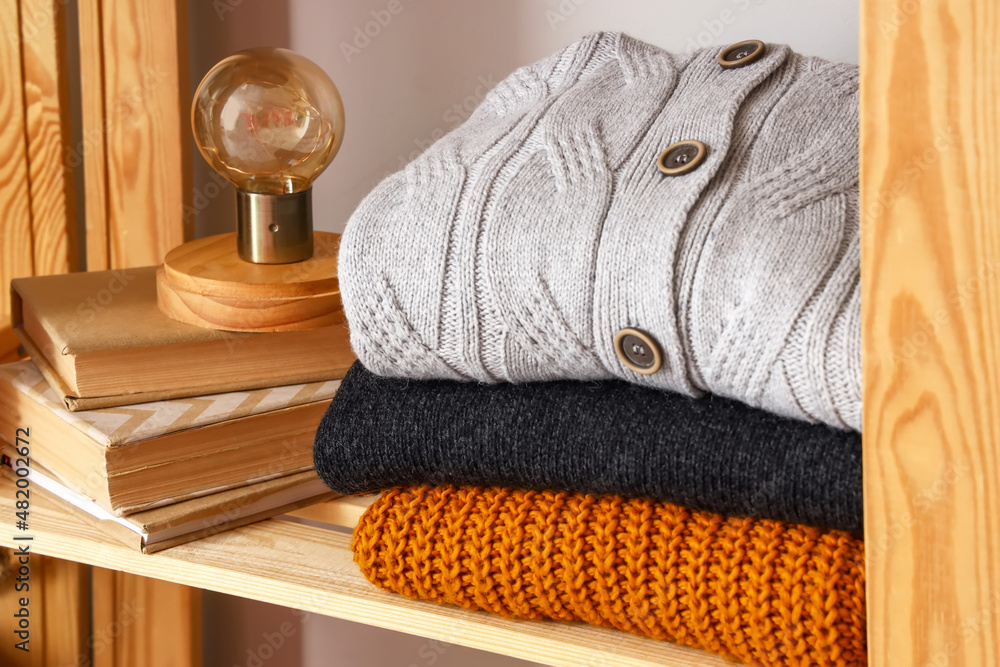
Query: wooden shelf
pixel 305 562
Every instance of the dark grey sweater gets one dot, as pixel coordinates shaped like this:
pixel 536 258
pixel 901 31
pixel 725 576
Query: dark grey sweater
pixel 608 437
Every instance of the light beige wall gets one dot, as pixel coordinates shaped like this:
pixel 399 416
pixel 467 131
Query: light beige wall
pixel 428 65
pixel 415 74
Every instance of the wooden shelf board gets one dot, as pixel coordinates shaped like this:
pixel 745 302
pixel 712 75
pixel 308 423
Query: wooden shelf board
pixel 309 567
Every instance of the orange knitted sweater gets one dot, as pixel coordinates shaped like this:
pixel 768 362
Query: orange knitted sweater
pixel 762 591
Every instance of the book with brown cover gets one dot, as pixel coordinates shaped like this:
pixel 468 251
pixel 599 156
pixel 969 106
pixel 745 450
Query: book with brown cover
pixel 157 529
pixel 132 458
pixel 101 340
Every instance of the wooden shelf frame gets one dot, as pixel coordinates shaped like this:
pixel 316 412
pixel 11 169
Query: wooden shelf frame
pixel 930 269
pixel 930 275
pixel 304 563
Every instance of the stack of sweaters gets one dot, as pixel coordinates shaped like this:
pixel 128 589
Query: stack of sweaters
pixel 609 354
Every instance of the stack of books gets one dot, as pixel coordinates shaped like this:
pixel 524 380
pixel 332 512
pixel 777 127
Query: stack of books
pixel 159 432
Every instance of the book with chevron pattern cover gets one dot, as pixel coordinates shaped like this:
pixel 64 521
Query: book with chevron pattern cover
pixel 135 457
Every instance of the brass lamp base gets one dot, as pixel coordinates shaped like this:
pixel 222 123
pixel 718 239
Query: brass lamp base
pixel 205 283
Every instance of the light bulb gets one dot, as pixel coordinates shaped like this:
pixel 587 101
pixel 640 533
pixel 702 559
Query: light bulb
pixel 269 121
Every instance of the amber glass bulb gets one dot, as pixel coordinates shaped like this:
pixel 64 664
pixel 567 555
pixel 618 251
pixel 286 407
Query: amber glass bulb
pixel 268 120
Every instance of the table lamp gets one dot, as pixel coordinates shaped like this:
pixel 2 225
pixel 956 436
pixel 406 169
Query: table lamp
pixel 268 120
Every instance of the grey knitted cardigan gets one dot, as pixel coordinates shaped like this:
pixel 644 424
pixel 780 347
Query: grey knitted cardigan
pixel 516 247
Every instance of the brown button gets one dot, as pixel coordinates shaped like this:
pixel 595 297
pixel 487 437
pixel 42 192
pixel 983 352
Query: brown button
pixel 741 54
pixel 682 157
pixel 638 351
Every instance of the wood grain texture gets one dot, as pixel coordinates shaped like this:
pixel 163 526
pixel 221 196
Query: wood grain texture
pixel 930 189
pixel 135 622
pixel 146 128
pixel 345 511
pixel 16 254
pixel 311 568
pixel 49 135
pixel 135 152
pixel 212 266
pixel 38 236
pixel 206 283
pixel 247 314
pixel 92 149
pixel 58 611
pixel 65 611
pixel 10 346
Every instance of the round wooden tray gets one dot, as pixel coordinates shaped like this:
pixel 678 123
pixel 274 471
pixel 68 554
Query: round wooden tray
pixel 205 283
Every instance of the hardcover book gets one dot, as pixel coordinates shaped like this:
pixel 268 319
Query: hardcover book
pixel 101 340
pixel 157 529
pixel 136 457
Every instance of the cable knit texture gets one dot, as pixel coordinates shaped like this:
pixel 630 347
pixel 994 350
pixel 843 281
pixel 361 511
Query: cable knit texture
pixel 608 437
pixel 764 592
pixel 519 244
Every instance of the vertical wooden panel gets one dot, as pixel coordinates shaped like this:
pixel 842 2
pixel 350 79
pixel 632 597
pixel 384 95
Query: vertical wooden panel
pixel 146 84
pixel 135 151
pixel 38 236
pixel 141 621
pixel 48 131
pixel 58 612
pixel 15 207
pixel 92 150
pixel 9 344
pixel 65 611
pixel 930 187
pixel 59 593
pixel 136 136
pixel 135 55
pixel 9 604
